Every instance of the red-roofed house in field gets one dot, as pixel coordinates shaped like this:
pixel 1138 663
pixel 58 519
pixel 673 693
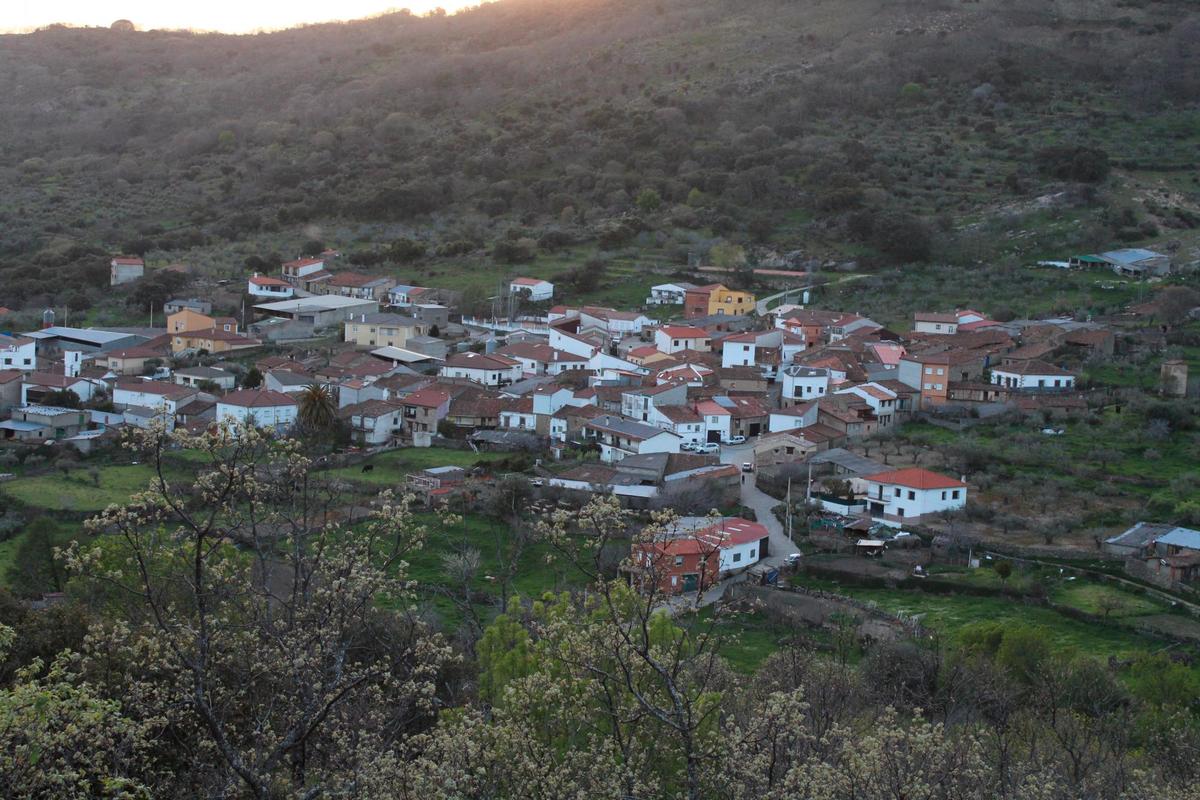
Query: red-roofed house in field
pixel 274 288
pixel 534 289
pixel 298 271
pixel 125 269
pixel 693 560
pixel 903 496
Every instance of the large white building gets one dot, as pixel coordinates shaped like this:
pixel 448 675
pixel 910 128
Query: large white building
pixel 534 289
pixel 18 352
pixel 1033 375
pixel 904 496
pixel 261 408
pixel 488 370
pixel 801 384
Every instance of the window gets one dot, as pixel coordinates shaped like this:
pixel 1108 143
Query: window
pixel 955 494
pixel 679 561
pixel 941 371
pixel 752 553
pixel 737 557
pixel 897 491
pixel 929 386
pixel 912 495
pixel 899 512
pixel 929 370
pixel 943 495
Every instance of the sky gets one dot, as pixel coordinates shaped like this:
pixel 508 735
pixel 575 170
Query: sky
pixel 230 16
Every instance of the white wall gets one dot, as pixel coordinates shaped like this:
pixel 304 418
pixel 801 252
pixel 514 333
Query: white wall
pixel 915 502
pixel 749 554
pixel 266 417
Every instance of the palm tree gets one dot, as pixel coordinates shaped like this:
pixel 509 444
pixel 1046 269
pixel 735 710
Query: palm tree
pixel 317 411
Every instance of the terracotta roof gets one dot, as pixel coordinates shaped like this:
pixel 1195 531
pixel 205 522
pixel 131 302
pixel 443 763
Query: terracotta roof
pixel 933 317
pixel 262 280
pixel 481 361
pixel 678 414
pixel 135 352
pixel 528 281
pixel 354 279
pixel 427 398
pixel 1033 367
pixel 304 262
pixel 171 390
pixel 9 375
pixel 915 478
pixel 684 332
pixel 50 379
pixel 130 261
pixel 368 408
pixel 257 398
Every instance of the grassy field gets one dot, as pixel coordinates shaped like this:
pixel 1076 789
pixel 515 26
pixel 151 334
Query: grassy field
pixel 746 639
pixel 392 466
pixel 77 491
pixel 948 614
pixel 536 572
pixel 8 551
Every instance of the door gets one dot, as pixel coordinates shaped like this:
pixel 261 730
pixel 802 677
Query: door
pixel 714 437
pixel 690 582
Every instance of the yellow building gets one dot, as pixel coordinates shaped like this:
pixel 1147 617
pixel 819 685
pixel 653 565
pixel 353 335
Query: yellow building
pixel 189 320
pixel 382 330
pixel 213 341
pixel 716 298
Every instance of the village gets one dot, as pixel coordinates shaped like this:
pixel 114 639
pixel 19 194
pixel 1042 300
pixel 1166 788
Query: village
pixel 774 429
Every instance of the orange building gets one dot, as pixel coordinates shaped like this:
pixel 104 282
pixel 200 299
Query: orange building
pixel 714 299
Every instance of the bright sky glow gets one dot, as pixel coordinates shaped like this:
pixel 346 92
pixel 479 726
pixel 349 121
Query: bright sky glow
pixel 230 16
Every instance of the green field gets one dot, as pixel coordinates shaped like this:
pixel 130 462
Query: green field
pixel 391 467
pixel 948 614
pixel 76 491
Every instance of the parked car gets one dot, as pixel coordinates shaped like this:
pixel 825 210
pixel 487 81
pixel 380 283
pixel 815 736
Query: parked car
pixel 708 448
pixel 792 559
pixel 1053 431
pixel 689 446
pixel 739 439
pixel 747 466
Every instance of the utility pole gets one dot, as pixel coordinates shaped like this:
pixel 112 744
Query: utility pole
pixel 789 510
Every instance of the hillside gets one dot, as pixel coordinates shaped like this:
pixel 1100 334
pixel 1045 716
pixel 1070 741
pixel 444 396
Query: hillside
pixel 531 130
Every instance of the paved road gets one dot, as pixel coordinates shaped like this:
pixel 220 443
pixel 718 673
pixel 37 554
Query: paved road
pixel 760 502
pixel 763 305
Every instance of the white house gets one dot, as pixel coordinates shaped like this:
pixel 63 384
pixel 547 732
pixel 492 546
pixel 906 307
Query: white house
pixel 488 370
pixel 152 394
pixel 668 294
pixel 619 437
pixel 680 420
pixel 1033 375
pixel 905 496
pixel 541 359
pixel 616 324
pixel 518 415
pixel 373 422
pixel 935 323
pixel 261 408
pixel 274 288
pixel 194 376
pixel 744 543
pixel 18 352
pixel 125 269
pixel 794 417
pixel 294 272
pixel 881 399
pixel 675 338
pixel 637 402
pixel 801 384
pixel 717 419
pixel 550 398
pixel 572 343
pixel 768 350
pixel 534 289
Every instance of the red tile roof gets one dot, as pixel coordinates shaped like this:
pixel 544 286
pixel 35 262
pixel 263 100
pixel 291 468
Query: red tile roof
pixel 916 478
pixel 258 398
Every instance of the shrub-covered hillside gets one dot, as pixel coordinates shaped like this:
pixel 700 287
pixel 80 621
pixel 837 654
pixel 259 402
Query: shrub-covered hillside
pixel 881 130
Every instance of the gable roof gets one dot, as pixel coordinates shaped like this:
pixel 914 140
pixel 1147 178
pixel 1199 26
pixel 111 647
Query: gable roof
pixel 1033 367
pixel 916 478
pixel 257 398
